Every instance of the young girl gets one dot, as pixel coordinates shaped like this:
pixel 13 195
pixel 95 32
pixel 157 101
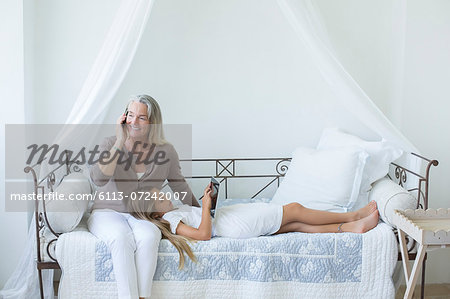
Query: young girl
pixel 187 223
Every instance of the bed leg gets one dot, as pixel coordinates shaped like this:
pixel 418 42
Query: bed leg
pixel 41 289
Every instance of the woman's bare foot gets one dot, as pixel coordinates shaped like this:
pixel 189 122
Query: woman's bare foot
pixel 362 225
pixel 366 211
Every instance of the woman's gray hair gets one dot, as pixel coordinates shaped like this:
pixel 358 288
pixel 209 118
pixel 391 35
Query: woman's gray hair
pixel 156 133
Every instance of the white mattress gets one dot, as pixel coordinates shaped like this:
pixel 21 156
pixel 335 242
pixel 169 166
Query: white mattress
pixel 313 265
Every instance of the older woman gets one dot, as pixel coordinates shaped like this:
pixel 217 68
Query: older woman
pixel 138 158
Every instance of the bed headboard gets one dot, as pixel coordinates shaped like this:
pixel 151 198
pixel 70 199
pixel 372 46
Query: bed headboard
pixel 264 173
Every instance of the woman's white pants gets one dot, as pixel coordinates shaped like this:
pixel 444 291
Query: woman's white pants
pixel 134 249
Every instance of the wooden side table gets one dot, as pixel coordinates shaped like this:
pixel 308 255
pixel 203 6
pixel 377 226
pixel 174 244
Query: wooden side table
pixel 430 228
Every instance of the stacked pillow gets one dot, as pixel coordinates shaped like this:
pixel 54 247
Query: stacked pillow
pixel 338 175
pixel 323 179
pixel 381 153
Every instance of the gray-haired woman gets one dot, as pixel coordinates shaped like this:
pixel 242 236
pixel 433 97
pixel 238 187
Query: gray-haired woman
pixel 138 158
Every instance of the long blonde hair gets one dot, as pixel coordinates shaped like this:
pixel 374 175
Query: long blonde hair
pixel 144 209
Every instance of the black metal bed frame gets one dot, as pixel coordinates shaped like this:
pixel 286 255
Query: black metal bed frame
pixel 225 170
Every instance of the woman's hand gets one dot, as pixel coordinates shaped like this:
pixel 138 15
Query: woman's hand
pixel 121 130
pixel 206 200
pixel 203 232
pixel 109 168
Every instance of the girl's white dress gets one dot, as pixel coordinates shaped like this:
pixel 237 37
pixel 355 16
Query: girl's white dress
pixel 246 220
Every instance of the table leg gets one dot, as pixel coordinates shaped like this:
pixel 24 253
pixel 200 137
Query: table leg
pixel 404 252
pixel 422 287
pixel 411 281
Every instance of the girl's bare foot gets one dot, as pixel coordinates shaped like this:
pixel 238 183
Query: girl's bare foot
pixel 362 225
pixel 366 211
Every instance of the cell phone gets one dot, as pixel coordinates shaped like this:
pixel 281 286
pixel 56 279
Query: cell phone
pixel 214 193
pixel 126 114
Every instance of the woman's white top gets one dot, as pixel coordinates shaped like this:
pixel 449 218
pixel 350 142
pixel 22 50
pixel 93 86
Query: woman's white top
pixel 139 174
pixel 235 221
pixel 191 216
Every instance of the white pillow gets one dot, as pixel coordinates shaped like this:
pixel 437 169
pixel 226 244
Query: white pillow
pixel 390 197
pixel 381 153
pixel 65 215
pixel 323 179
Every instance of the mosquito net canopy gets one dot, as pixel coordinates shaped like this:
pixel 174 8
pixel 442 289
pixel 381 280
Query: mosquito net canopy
pixel 254 78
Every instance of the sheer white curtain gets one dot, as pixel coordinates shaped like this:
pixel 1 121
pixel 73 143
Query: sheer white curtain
pixel 112 62
pixel 24 283
pixel 105 77
pixel 306 22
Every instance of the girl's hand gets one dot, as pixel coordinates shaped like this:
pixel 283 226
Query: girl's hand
pixel 207 197
pixel 121 130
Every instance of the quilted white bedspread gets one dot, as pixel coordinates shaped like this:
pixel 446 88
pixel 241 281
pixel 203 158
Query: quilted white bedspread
pixel 294 265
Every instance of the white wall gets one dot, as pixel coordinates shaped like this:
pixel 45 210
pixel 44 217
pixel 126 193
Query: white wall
pixel 29 15
pixel 191 48
pixel 68 36
pixel 426 105
pixel 366 50
pixel 236 67
pixel 13 226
